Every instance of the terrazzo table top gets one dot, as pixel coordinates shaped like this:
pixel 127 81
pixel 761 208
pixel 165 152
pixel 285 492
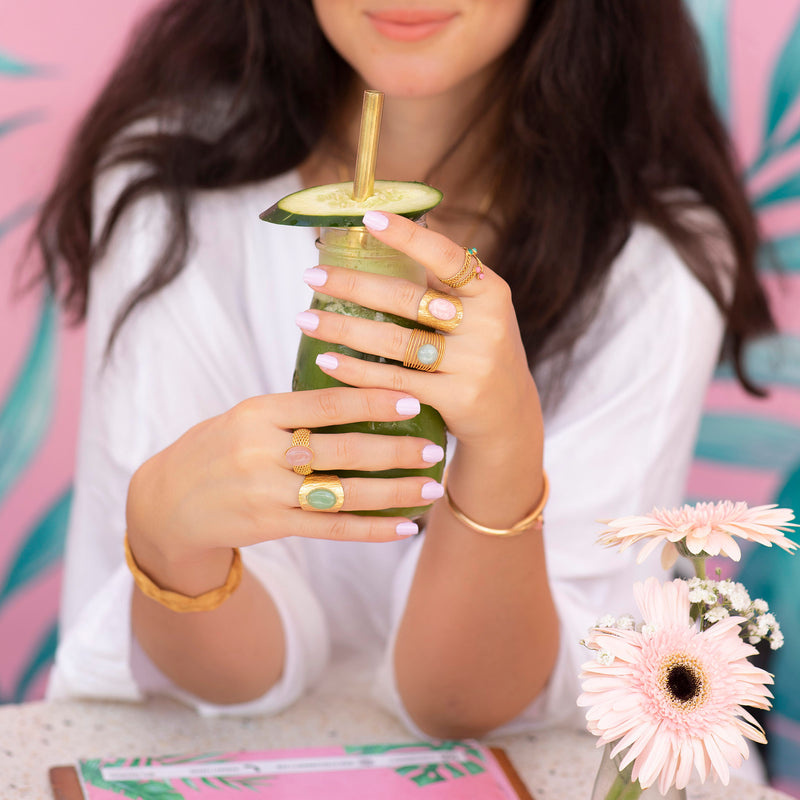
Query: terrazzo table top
pixel 556 765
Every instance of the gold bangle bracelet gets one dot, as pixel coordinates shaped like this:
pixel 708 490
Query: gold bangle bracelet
pixel 532 520
pixel 182 603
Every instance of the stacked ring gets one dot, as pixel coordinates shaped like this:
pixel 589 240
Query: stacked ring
pixel 299 448
pixel 320 492
pixel 425 350
pixel 440 311
pixel 468 271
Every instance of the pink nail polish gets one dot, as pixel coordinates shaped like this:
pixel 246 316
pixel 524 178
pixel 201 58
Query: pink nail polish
pixel 407 406
pixel 315 276
pixel 307 321
pixel 407 528
pixel 432 453
pixel 376 221
pixel 326 361
pixel 432 490
pixel 441 308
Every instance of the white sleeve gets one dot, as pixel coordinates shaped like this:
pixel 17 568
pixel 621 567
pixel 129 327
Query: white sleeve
pixel 619 441
pixel 183 356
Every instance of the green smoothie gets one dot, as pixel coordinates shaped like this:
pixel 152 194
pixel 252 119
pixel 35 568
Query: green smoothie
pixel 355 248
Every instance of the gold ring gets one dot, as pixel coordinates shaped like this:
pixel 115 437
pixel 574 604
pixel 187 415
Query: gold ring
pixel 443 305
pixel 425 350
pixel 321 492
pixel 300 446
pixel 471 268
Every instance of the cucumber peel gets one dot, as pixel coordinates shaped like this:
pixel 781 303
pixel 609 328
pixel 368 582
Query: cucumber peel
pixel 332 206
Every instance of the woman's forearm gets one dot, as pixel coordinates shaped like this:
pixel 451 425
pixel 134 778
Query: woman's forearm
pixel 231 654
pixel 479 636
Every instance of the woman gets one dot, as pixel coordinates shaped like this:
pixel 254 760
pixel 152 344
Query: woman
pixel 578 151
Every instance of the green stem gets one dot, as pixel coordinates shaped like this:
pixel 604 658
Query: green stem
pixel 623 789
pixel 700 567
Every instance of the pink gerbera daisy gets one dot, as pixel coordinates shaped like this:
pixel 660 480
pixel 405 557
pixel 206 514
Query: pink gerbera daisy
pixel 706 529
pixel 671 695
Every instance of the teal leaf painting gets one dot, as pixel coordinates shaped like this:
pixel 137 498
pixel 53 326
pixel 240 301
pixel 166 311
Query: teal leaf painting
pixel 711 20
pixel 747 441
pixel 40 550
pixel 786 190
pixel 41 659
pixel 22 120
pixel 774 361
pixel 19 215
pixel 784 87
pixel 14 68
pixel 27 411
pixel 785 250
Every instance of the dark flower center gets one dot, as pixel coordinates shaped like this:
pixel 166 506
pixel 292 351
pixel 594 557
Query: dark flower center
pixel 683 680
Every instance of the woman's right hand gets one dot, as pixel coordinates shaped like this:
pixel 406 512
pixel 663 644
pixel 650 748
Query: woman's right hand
pixel 227 482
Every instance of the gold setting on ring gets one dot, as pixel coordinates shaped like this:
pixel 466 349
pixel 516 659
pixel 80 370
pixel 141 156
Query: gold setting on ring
pixel 301 438
pixel 321 492
pixel 424 316
pixel 425 350
pixel 471 268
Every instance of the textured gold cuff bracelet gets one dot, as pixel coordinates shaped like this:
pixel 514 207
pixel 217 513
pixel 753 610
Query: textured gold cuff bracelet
pixel 182 603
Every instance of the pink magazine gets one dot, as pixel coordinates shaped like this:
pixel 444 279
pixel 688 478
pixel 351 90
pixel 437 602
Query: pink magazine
pixel 463 770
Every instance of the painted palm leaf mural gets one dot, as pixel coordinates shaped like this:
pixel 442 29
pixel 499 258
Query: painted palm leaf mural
pixel 747 449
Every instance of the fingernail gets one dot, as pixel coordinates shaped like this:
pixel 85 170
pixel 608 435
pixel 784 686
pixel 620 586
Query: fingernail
pixel 298 455
pixel 441 308
pixel 432 453
pixel 432 490
pixel 326 361
pixel 407 406
pixel 317 277
pixel 407 528
pixel 307 321
pixel 376 221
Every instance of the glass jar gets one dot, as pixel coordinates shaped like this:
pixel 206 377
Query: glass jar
pixel 612 783
pixel 356 248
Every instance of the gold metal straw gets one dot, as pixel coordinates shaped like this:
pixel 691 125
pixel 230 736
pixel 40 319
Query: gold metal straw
pixel 367 155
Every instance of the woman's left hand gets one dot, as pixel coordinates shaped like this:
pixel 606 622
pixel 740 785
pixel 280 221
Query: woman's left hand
pixel 483 387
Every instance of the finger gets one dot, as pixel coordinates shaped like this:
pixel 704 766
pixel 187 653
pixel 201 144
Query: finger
pixel 382 339
pixel 369 452
pixel 442 257
pixel 377 494
pixel 317 408
pixel 346 527
pixel 380 292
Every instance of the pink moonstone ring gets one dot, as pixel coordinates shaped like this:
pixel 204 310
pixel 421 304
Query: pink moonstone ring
pixel 299 455
pixel 440 311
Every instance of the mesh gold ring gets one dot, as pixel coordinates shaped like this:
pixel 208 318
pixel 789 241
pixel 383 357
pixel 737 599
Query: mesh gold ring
pixel 321 492
pixel 440 311
pixel 299 454
pixel 425 350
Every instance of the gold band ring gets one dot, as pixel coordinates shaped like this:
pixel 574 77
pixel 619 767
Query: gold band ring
pixel 440 311
pixel 425 350
pixel 321 492
pixel 471 268
pixel 300 449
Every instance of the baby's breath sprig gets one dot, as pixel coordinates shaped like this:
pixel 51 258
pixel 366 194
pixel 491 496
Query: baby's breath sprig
pixel 715 600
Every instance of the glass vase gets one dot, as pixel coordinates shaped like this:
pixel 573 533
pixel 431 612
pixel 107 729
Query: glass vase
pixel 612 783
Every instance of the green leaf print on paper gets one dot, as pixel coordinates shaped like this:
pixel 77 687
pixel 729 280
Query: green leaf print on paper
pixel 423 774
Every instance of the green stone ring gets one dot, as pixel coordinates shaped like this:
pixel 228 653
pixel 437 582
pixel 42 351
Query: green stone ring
pixel 320 492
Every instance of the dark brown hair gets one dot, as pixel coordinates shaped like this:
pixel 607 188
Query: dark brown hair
pixel 605 110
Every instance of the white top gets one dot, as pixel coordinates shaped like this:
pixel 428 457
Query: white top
pixel 619 442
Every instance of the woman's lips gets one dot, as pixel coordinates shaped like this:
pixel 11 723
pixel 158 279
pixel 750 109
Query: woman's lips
pixel 409 25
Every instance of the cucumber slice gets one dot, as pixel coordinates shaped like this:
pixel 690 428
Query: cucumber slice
pixel 332 205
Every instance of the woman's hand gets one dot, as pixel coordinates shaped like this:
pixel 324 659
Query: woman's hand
pixel 482 388
pixel 227 482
